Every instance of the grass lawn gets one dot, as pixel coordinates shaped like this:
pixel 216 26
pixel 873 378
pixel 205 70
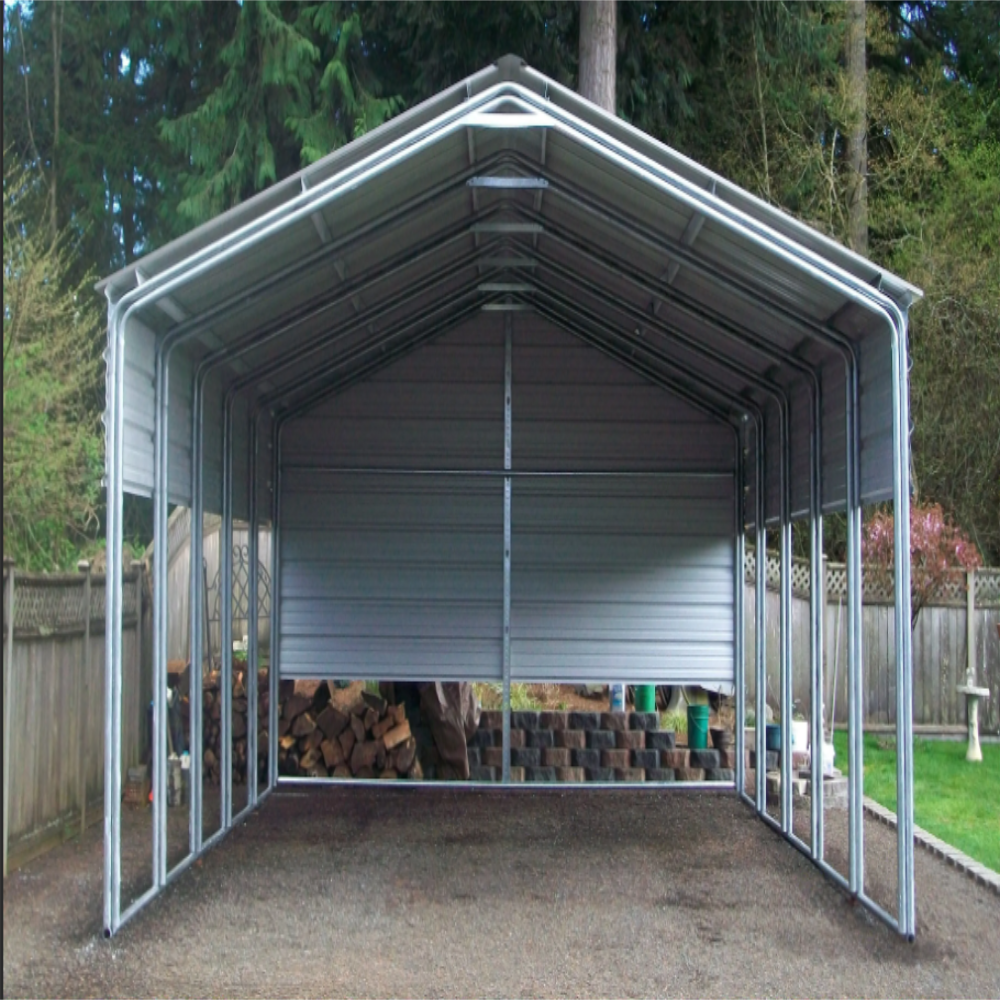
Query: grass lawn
pixel 953 799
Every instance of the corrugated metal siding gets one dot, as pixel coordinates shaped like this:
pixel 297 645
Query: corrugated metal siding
pixel 179 429
pixel 576 410
pixel 391 576
pixel 625 579
pixel 439 408
pixel 139 417
pixel 401 575
pixel 876 419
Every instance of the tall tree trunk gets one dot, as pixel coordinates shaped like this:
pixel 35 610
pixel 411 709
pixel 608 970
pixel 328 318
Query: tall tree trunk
pixel 57 23
pixel 598 47
pixel 857 136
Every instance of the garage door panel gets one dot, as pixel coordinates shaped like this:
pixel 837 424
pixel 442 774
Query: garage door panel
pixel 621 579
pixel 391 576
pixel 394 547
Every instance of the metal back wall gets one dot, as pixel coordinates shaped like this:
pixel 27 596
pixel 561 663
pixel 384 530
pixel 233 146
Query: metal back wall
pixel 391 556
pixel 396 575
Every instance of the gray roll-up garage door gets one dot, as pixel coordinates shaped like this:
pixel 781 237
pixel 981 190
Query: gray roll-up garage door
pixel 392 577
pixel 626 578
pixel 622 515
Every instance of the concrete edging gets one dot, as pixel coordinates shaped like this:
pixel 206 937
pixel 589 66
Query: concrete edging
pixel 957 859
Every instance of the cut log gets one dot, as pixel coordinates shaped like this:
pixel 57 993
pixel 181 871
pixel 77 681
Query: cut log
pixel 342 771
pixel 347 739
pixel 396 735
pixel 313 740
pixel 239 727
pixel 333 753
pixel 405 755
pixel 309 758
pixel 363 755
pixel 287 742
pixel 295 705
pixel 366 772
pixel 303 725
pixel 384 725
pixel 332 721
pixel 370 719
pixel 359 708
pixel 317 770
pixel 416 772
pixel 388 772
pixel 375 702
pixel 283 726
pixel 358 728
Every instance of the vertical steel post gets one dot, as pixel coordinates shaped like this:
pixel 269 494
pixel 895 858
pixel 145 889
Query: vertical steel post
pixel 785 623
pixel 161 556
pixel 252 618
pixel 904 639
pixel 855 786
pixel 8 671
pixel 760 632
pixel 272 667
pixel 817 602
pixel 226 618
pixel 507 382
pixel 819 809
pixel 739 576
pixel 83 566
pixel 198 624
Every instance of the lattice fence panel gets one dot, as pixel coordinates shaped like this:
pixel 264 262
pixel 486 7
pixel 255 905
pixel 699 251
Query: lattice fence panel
pixel 953 593
pixel 45 604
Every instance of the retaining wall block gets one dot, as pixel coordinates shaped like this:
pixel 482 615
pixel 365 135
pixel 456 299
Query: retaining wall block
pixel 540 774
pixel 646 758
pixel 540 737
pixel 556 721
pixel 661 739
pixel 572 739
pixel 770 760
pixel 674 758
pixel 524 720
pixel 616 759
pixel 492 756
pixel 491 720
pixel 585 758
pixel 517 740
pixel 631 739
pixel 690 773
pixel 526 757
pixel 482 773
pixel 517 774
pixel 482 738
pixel 644 720
pixel 660 774
pixel 557 757
pixel 584 720
pixel 705 758
pixel 720 774
pixel 615 721
pixel 600 774
pixel 570 774
pixel 474 756
pixel 631 774
pixel 727 758
pixel 601 739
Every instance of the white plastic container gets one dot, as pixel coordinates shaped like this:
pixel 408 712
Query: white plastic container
pixel 617 693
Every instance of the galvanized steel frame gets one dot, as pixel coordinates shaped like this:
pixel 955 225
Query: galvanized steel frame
pixel 534 111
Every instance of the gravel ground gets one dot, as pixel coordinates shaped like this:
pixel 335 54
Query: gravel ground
pixel 444 892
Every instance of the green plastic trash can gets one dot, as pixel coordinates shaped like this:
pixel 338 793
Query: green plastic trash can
pixel 645 698
pixel 697 727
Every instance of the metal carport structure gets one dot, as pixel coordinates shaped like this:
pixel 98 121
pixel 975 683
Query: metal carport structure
pixel 506 219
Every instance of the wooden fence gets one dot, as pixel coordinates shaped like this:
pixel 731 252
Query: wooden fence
pixel 54 702
pixel 940 648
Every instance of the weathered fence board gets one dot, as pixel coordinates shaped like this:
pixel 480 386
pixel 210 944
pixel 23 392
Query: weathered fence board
pixel 940 657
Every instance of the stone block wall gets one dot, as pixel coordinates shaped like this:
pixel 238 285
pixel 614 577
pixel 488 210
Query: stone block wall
pixel 591 746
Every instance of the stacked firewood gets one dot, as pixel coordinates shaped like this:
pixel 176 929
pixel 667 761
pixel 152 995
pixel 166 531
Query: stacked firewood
pixel 212 725
pixel 368 739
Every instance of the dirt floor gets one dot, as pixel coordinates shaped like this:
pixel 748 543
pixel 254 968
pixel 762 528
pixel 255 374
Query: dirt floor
pixel 408 891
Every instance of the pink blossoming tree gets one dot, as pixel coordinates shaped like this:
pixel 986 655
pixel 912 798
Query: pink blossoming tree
pixel 939 553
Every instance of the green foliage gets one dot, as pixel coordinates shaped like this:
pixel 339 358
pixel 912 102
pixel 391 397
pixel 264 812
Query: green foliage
pixel 52 452
pixel 292 89
pixel 953 799
pixel 675 720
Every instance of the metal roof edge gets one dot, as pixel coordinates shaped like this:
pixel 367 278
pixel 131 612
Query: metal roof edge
pixel 513 69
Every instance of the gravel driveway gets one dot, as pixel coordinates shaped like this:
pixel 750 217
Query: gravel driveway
pixel 444 892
